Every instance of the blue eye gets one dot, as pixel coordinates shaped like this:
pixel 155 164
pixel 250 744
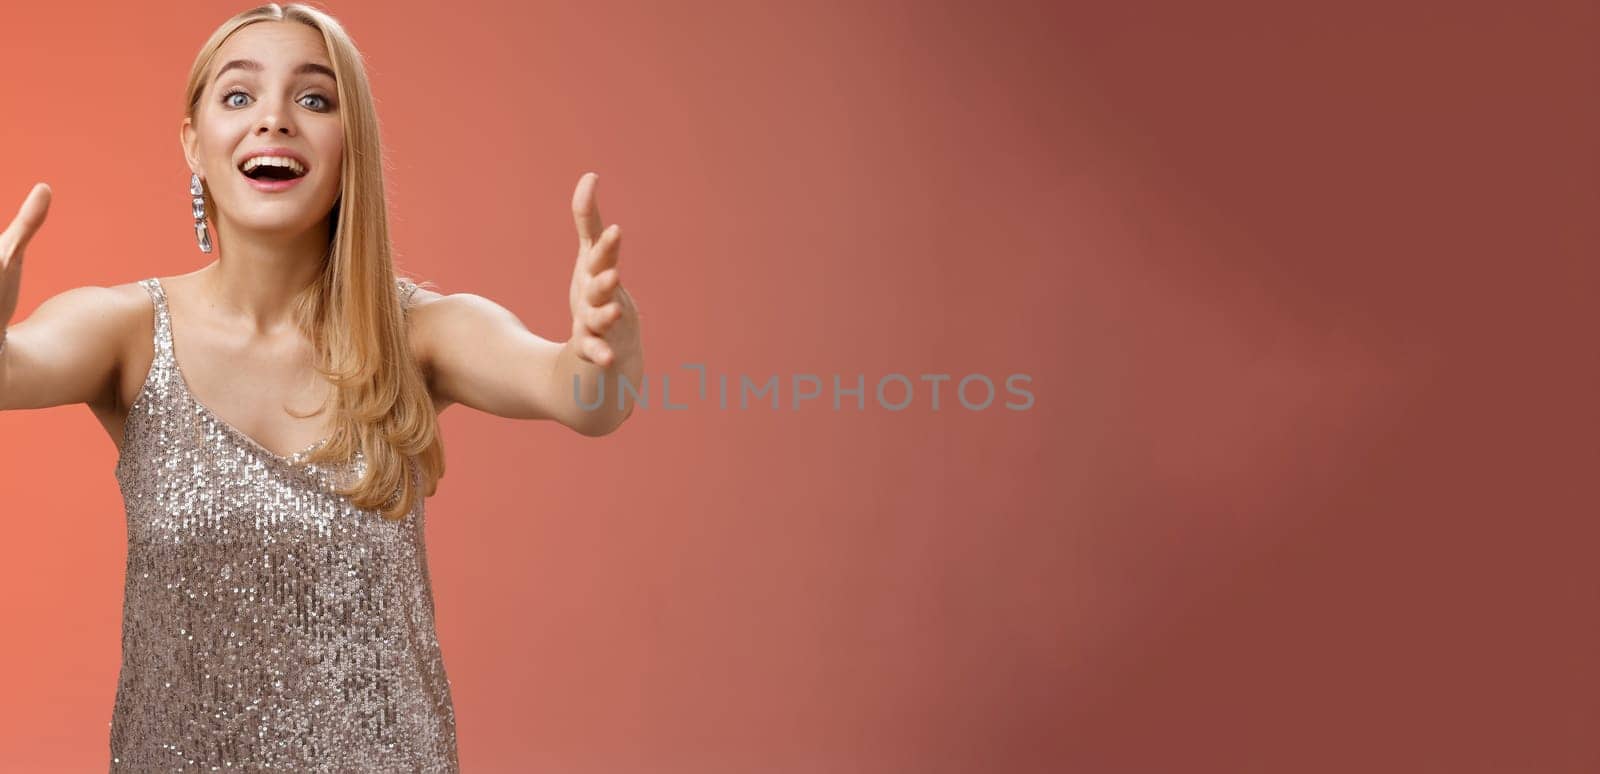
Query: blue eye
pixel 322 105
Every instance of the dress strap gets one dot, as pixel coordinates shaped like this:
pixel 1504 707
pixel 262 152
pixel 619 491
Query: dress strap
pixel 163 321
pixel 407 289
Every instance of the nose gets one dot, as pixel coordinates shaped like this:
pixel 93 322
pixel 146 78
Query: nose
pixel 275 121
pixel 270 126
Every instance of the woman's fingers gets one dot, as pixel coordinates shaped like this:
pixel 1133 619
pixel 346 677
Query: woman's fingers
pixel 30 216
pixel 594 350
pixel 601 318
pixel 586 212
pixel 600 289
pixel 596 278
pixel 596 320
pixel 603 255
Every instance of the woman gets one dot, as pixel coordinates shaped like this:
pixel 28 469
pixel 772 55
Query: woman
pixel 276 416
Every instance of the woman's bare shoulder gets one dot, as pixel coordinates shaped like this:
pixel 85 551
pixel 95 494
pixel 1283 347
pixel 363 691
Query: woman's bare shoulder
pixel 131 294
pixel 424 296
pixel 131 306
pixel 130 311
pixel 103 308
pixel 450 316
pixel 80 339
pixel 429 310
pixel 421 308
pixel 417 305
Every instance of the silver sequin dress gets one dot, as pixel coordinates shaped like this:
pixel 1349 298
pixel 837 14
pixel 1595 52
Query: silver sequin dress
pixel 268 623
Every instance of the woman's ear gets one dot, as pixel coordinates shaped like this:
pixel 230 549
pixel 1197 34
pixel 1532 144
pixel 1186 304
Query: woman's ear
pixel 187 137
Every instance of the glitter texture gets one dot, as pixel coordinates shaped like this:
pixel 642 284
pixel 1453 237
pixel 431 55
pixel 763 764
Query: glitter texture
pixel 268 623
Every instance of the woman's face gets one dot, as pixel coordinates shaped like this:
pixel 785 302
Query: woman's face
pixel 271 87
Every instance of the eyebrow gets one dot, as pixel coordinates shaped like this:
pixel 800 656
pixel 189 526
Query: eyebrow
pixel 254 66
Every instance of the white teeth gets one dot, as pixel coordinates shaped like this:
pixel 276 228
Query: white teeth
pixel 273 161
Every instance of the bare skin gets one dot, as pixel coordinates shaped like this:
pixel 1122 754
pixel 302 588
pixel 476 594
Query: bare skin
pixel 233 338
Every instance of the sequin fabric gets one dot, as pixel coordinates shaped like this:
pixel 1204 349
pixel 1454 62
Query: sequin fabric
pixel 268 623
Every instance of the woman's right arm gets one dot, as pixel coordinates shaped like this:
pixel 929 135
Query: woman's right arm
pixel 67 351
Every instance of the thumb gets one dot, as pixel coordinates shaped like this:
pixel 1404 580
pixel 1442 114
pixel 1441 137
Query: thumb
pixel 29 218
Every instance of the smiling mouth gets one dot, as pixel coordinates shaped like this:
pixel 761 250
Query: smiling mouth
pixel 272 168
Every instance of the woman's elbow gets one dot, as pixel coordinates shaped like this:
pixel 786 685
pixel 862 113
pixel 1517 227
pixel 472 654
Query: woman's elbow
pixel 594 424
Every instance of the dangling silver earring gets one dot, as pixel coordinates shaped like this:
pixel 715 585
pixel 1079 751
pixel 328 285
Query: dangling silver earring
pixel 198 193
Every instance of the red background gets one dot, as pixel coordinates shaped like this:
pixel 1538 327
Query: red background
pixel 1300 286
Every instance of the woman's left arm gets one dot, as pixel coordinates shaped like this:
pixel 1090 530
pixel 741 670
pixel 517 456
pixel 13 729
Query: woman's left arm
pixel 480 355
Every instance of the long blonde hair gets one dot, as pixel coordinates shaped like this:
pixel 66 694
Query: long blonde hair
pixel 352 313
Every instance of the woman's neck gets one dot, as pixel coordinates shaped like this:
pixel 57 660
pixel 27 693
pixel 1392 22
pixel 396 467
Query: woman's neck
pixel 256 278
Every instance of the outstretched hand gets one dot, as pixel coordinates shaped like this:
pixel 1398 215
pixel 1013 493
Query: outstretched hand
pixel 604 319
pixel 14 242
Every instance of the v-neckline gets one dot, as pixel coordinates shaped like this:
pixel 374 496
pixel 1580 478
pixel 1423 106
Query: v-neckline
pixel 292 458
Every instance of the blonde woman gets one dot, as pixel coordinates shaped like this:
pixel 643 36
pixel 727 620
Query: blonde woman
pixel 276 415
